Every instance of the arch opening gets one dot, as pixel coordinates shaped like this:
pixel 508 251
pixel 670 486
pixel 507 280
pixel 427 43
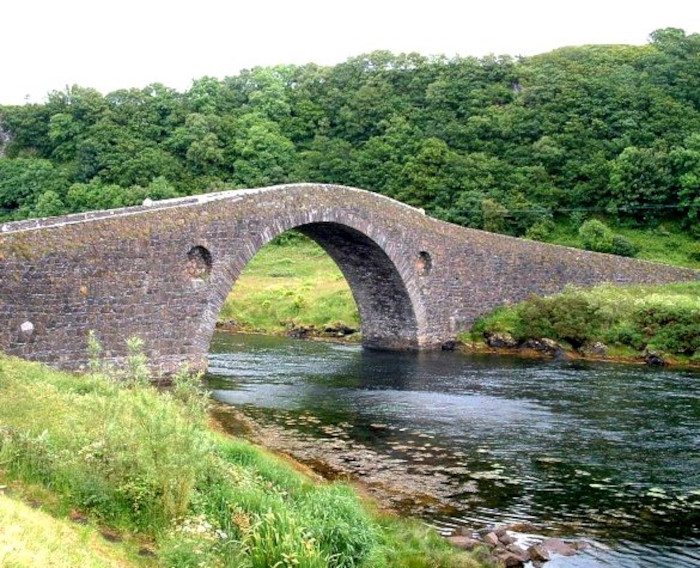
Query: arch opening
pixel 199 262
pixel 386 315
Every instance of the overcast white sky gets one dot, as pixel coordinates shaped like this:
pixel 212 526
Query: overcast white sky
pixel 49 44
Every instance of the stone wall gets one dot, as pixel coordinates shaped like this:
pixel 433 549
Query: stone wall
pixel 163 272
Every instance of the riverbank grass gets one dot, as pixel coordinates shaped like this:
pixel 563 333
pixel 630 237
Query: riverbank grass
pixel 147 464
pixel 30 538
pixel 629 320
pixel 286 286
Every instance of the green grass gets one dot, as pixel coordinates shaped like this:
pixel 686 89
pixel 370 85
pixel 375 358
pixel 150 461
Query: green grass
pixel 629 319
pixel 146 463
pixel 31 538
pixel 294 285
pixel 667 243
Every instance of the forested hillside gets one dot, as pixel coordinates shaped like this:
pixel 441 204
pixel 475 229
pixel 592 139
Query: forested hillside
pixel 497 143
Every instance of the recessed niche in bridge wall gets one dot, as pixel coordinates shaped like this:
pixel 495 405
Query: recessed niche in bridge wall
pixel 199 262
pixel 424 264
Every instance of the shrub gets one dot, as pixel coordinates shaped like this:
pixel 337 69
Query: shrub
pixel 623 246
pixel 596 236
pixel 540 230
pixel 571 318
pixel 694 253
pixel 289 238
pixel 625 334
pixel 669 327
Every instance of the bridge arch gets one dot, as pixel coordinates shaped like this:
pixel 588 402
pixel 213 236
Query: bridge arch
pixel 380 280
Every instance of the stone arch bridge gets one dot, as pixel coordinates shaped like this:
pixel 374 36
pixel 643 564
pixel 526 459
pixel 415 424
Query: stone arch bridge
pixel 162 271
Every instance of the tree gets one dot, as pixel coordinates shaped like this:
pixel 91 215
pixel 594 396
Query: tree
pixel 23 180
pixel 48 204
pixel 263 155
pixel 640 181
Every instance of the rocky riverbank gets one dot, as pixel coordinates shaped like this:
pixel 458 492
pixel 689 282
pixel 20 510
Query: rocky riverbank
pixel 503 343
pixel 414 487
pixel 335 332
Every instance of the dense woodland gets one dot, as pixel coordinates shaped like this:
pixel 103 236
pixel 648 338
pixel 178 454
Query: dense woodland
pixel 500 143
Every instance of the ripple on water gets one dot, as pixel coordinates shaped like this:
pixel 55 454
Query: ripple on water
pixel 585 450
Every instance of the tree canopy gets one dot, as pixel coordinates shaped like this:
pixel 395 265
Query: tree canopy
pixel 497 143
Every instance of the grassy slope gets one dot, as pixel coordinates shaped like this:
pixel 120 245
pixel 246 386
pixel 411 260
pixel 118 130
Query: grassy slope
pixel 31 538
pixel 146 463
pixel 666 243
pixel 295 285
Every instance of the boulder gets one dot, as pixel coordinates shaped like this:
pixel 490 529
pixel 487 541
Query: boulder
pixel 519 551
pixel 654 359
pixel 538 553
pixel 596 348
pixel 545 345
pixel 299 332
pixel 464 542
pixel 544 550
pixel 491 539
pixel 510 560
pixel 499 340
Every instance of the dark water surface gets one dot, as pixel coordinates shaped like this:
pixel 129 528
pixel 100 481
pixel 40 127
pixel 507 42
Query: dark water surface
pixel 604 452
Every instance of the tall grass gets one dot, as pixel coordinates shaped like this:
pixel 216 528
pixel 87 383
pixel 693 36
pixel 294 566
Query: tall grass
pixel 146 462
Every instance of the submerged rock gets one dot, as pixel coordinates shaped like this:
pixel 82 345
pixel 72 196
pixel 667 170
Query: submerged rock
pixel 543 551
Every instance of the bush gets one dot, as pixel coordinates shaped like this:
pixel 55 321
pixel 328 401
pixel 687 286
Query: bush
pixel 625 334
pixel 596 236
pixel 694 253
pixel 289 238
pixel 623 246
pixel 670 327
pixel 566 317
pixel 540 230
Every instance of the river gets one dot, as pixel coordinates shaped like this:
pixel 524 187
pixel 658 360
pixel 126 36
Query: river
pixel 603 452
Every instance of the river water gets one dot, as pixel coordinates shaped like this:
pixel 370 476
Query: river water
pixel 601 452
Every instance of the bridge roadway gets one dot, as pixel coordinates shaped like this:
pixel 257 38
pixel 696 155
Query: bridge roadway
pixel 162 271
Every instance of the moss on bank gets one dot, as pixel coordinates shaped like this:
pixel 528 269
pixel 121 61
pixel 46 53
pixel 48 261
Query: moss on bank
pixel 145 463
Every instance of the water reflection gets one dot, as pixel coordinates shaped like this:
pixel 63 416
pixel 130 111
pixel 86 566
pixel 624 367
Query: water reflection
pixel 604 451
